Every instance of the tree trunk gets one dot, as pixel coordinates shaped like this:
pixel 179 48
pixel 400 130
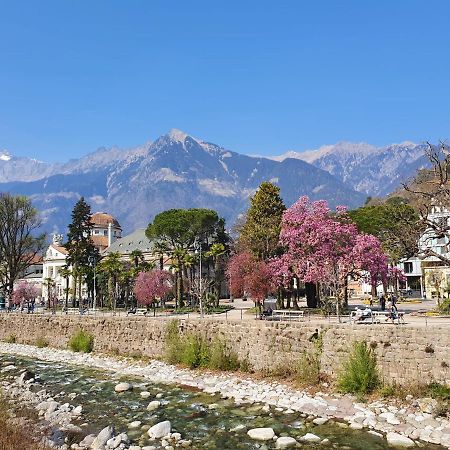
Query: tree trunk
pixel 180 288
pixel 311 295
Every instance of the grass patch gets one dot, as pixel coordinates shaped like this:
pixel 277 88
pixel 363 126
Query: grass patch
pixel 41 342
pixel 194 351
pixel 82 342
pixel 359 374
pixel 11 339
pixel 439 391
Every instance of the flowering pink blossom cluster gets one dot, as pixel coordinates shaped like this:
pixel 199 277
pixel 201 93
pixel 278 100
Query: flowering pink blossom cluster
pixel 24 293
pixel 248 276
pixel 152 285
pixel 319 245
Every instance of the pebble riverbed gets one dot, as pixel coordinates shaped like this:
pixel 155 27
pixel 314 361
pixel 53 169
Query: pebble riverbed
pixel 99 402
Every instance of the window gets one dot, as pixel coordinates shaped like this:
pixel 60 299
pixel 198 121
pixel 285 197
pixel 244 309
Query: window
pixel 105 232
pixel 408 267
pixel 96 231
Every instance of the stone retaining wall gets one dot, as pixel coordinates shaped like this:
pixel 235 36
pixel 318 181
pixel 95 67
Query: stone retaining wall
pixel 404 354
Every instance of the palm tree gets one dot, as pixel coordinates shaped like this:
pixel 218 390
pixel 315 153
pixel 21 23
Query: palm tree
pixel 216 251
pixel 112 267
pixel 137 257
pixel 51 295
pixel 65 272
pixel 160 249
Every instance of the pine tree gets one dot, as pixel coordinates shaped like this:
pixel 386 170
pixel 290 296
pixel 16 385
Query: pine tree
pixel 261 230
pixel 79 244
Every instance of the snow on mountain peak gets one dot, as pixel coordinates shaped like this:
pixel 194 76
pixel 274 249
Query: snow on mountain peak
pixel 177 135
pixel 4 155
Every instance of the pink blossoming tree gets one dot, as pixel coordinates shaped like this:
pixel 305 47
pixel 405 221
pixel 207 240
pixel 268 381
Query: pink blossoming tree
pixel 150 286
pixel 24 293
pixel 248 276
pixel 325 247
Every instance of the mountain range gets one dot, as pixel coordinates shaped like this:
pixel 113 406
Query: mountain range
pixel 180 171
pixel 375 171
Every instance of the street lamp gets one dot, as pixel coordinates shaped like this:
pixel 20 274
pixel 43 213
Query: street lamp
pixel 92 263
pixel 198 248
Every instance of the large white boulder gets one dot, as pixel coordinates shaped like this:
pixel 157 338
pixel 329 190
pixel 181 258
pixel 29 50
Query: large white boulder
pixel 261 434
pixel 286 442
pixel 310 437
pixel 102 438
pixel 122 387
pixel 160 430
pixel 398 440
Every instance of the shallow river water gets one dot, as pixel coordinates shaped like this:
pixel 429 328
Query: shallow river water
pixel 188 410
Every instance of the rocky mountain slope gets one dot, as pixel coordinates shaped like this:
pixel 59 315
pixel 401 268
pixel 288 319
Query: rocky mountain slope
pixel 175 171
pixel 375 171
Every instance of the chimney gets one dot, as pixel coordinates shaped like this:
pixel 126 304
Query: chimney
pixel 110 234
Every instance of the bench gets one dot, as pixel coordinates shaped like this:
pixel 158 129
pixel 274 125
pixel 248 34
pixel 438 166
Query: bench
pixel 286 314
pixel 81 311
pixel 385 315
pixel 138 311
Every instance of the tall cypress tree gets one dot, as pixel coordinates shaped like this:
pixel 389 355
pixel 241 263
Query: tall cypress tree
pixel 79 244
pixel 260 232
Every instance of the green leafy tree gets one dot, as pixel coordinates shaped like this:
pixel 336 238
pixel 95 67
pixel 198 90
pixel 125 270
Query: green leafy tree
pixel 395 223
pixel 19 241
pixel 260 232
pixel 175 231
pixel 80 247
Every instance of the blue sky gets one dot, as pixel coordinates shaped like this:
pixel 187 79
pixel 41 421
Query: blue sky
pixel 254 76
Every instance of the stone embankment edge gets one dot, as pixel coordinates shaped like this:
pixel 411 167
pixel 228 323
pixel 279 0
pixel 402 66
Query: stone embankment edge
pixel 246 390
pixel 405 355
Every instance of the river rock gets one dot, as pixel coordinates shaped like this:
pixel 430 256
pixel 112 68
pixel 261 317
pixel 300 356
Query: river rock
pixel 261 434
pixel 238 428
pixel 9 368
pixel 160 430
pixel 155 404
pixel 25 376
pixel 135 447
pixel 320 420
pixel 51 407
pixel 135 424
pixel 77 410
pixel 123 387
pixel 102 438
pixel 398 440
pixel 87 441
pixel 310 437
pixel 145 394
pixel 427 404
pixel 285 442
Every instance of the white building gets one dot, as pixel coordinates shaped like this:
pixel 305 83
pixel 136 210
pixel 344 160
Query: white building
pixel 105 231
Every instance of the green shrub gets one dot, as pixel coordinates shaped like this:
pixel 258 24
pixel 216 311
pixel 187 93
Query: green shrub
pixel 359 374
pixel 11 339
pixel 222 358
pixel 444 307
pixel 82 342
pixel 308 368
pixel 41 342
pixel 389 390
pixel 195 351
pixel 173 348
pixel 439 391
